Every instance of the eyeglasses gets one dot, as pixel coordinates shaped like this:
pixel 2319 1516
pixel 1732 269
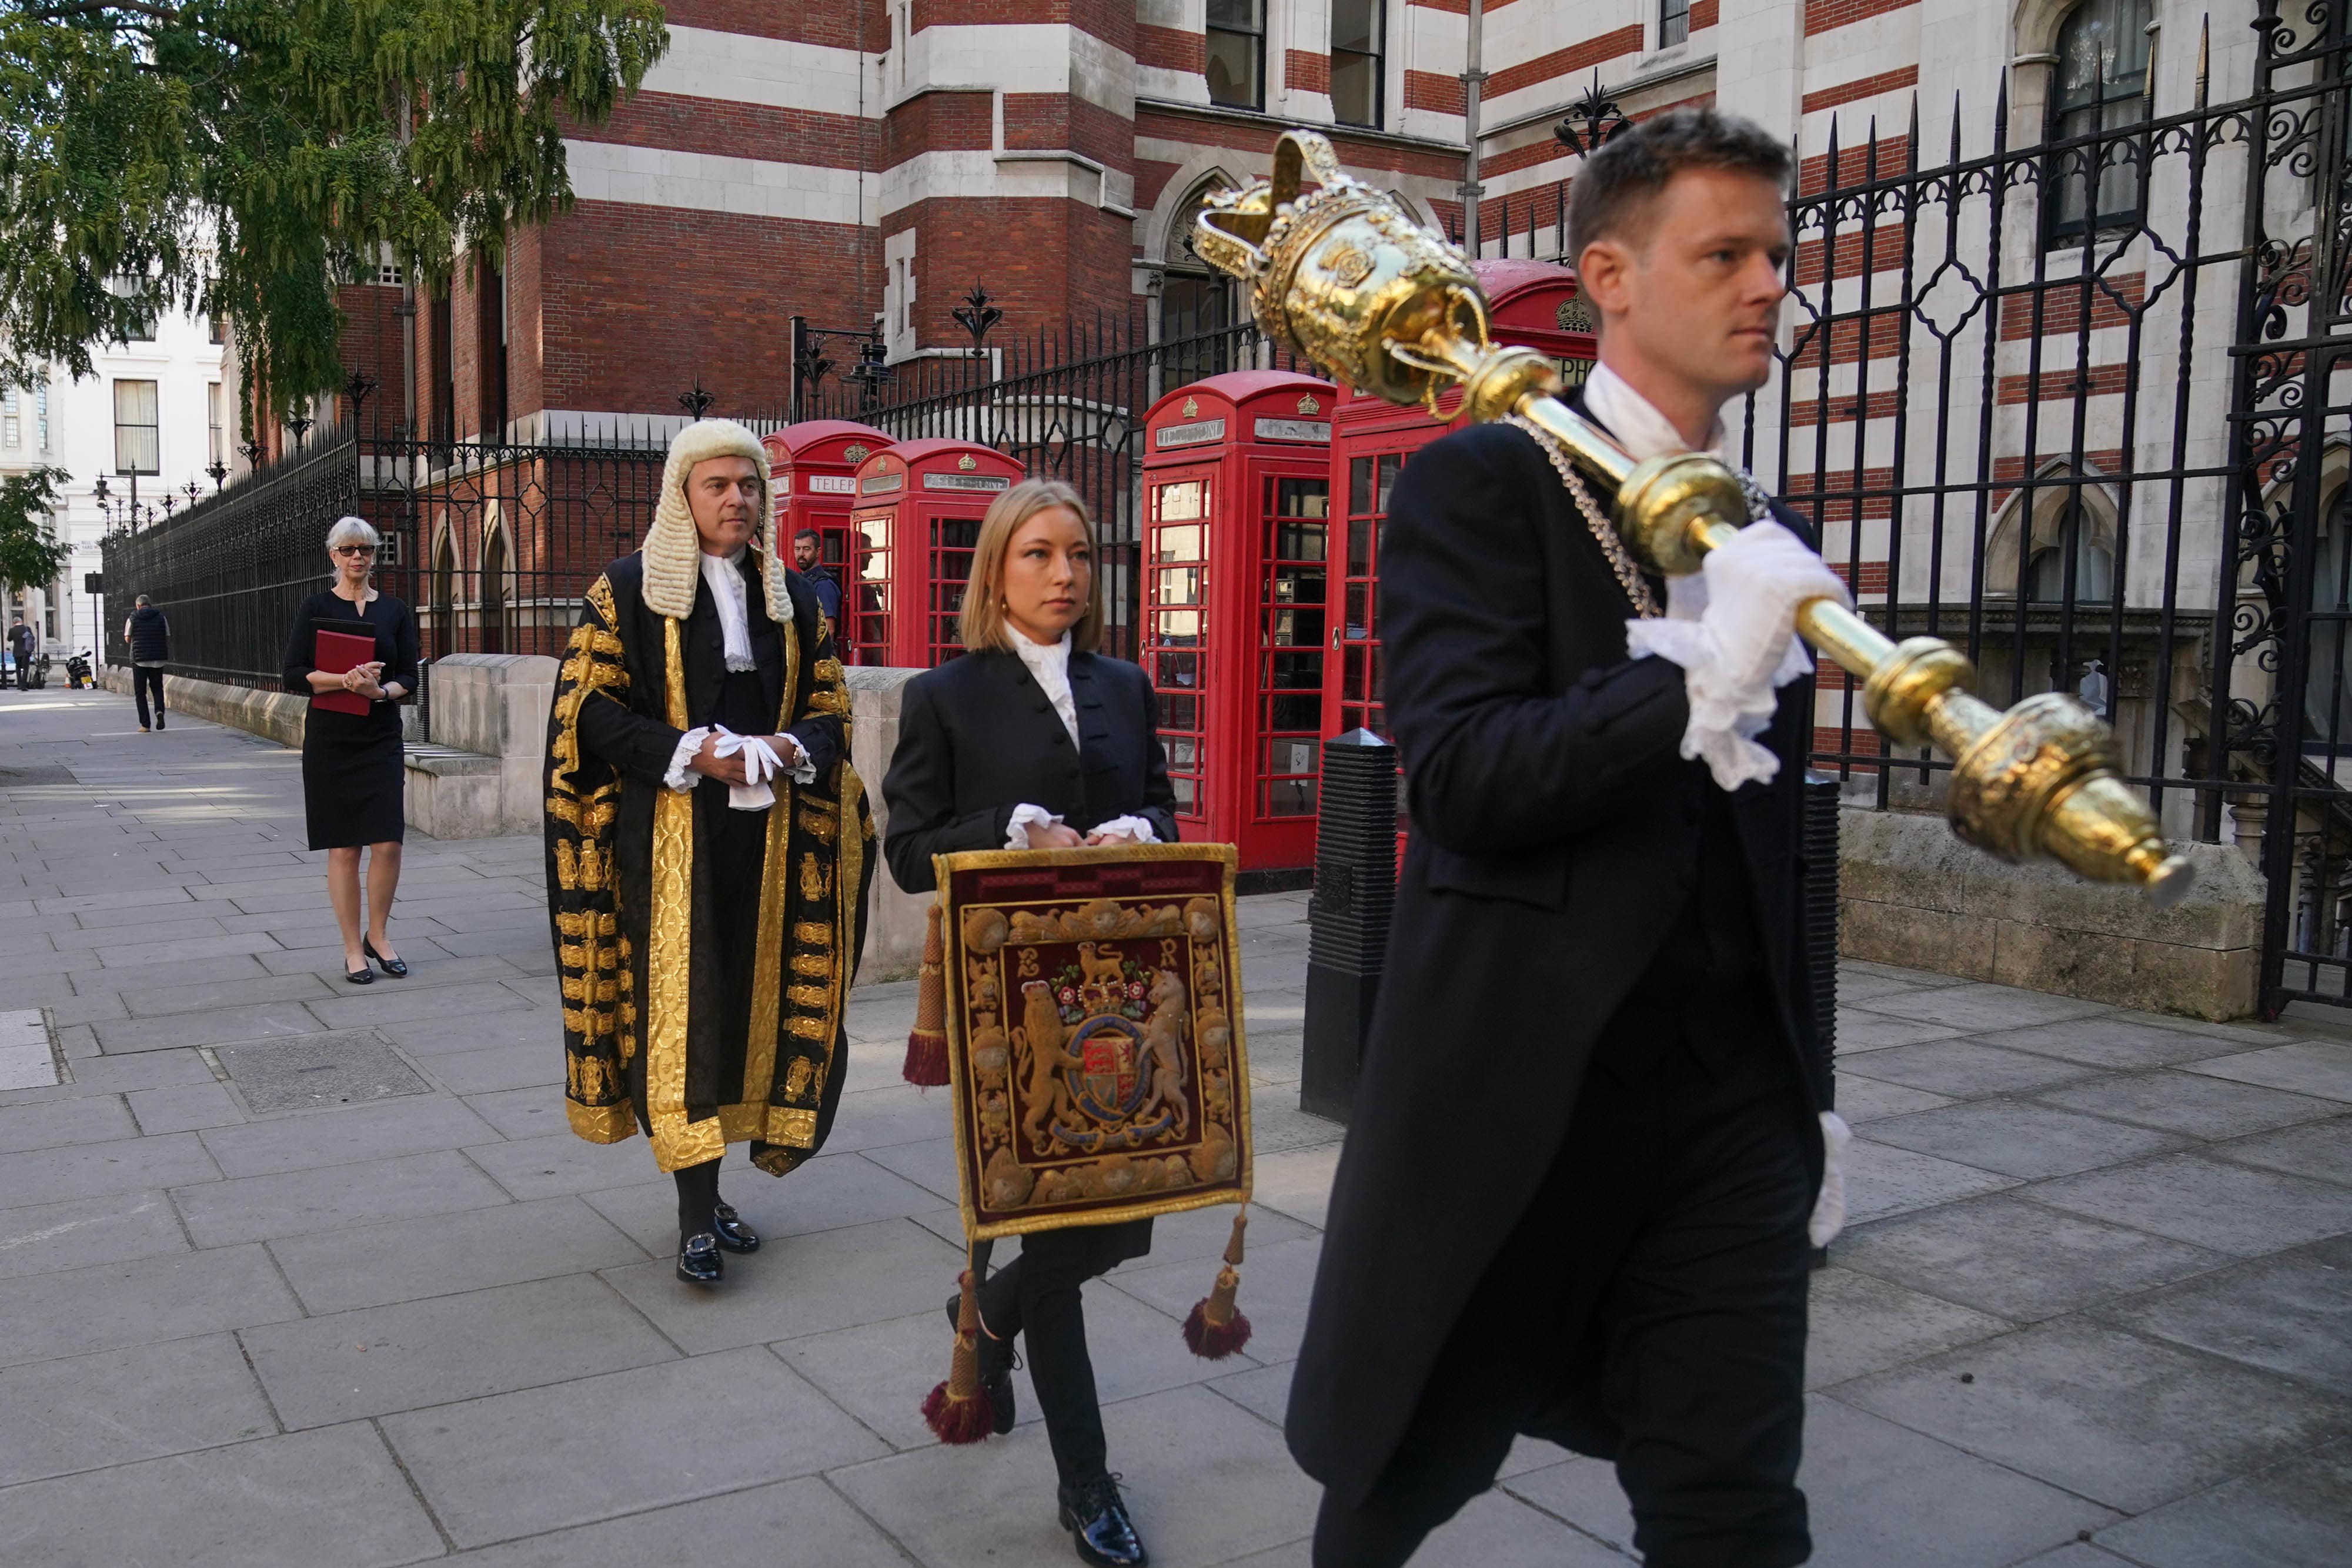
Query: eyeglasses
pixel 355 549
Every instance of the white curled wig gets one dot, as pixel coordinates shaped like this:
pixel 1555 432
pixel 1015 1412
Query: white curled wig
pixel 672 550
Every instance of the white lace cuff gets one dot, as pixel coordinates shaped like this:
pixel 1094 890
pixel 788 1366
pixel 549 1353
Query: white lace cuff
pixel 1828 1206
pixel 1026 817
pixel 801 769
pixel 688 745
pixel 1137 829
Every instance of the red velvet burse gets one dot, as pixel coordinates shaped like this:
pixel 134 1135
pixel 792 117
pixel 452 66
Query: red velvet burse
pixel 337 652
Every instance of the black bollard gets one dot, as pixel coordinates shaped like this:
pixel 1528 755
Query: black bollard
pixel 1355 887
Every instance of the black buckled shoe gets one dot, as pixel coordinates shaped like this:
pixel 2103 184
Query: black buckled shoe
pixel 1096 1516
pixel 732 1233
pixel 698 1259
pixel 396 968
pixel 997 1364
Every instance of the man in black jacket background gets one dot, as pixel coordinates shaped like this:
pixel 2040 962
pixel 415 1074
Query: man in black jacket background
pixel 1573 1200
pixel 150 636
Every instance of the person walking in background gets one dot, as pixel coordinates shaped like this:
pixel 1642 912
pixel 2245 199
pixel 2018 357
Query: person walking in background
pixel 818 576
pixel 150 637
pixel 351 769
pixel 22 641
pixel 1035 741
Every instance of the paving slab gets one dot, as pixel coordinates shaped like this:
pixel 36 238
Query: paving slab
pixel 515 1465
pixel 797 1285
pixel 2127 1422
pixel 85 1412
pixel 488 1072
pixel 305 1140
pixel 252 1505
pixel 2190 1103
pixel 296 1203
pixel 1206 1481
pixel 2321 1150
pixel 183 1108
pixel 48 1238
pixel 2113 1041
pixel 826 1194
pixel 97 1119
pixel 399 1006
pixel 2020 1138
pixel 790 1522
pixel 2208 1202
pixel 532 1111
pixel 1861 1099
pixel 557 1163
pixel 110 1305
pixel 245 991
pixel 1881 1179
pixel 929 1165
pixel 2296 1514
pixel 1859 1324
pixel 442 1254
pixel 2319 1067
pixel 2290 1313
pixel 1963 1069
pixel 441 1035
pixel 101 1169
pixel 1978 1007
pixel 441 1349
pixel 1276 1283
pixel 2017 1259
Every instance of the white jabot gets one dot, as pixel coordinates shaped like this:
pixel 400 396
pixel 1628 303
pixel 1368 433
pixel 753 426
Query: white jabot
pixel 1635 421
pixel 726 581
pixel 1049 665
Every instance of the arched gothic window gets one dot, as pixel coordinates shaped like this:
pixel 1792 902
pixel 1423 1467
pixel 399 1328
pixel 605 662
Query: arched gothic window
pixel 2098 91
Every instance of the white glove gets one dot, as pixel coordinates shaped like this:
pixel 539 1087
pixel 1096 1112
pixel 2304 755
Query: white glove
pixel 1732 630
pixel 760 761
pixel 1828 1205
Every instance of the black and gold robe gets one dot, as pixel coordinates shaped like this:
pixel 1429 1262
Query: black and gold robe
pixel 648 957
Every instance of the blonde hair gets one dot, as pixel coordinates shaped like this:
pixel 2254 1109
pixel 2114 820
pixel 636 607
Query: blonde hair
pixel 982 623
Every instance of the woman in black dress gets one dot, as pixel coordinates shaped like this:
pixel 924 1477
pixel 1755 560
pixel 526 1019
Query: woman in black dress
pixel 351 778
pixel 1032 740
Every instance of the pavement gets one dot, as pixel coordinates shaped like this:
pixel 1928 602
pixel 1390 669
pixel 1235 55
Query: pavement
pixel 295 1274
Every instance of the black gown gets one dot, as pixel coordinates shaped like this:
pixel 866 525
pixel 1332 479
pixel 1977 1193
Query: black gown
pixel 351 778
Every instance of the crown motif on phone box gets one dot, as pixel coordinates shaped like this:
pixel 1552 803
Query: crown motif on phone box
pixel 1573 315
pixel 967 463
pixel 855 451
pixel 1192 406
pixel 1308 405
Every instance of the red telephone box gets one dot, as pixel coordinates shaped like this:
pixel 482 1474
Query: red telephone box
pixel 1237 487
pixel 918 506
pixel 812 473
pixel 1530 303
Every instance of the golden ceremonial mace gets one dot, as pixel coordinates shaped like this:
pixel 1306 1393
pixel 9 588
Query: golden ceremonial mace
pixel 1344 277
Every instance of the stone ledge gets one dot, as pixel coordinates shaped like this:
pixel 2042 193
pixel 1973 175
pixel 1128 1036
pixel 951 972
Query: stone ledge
pixel 1912 894
pixel 279 716
pixel 445 762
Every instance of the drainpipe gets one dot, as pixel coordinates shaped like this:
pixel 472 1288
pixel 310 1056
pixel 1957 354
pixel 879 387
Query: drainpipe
pixel 1472 79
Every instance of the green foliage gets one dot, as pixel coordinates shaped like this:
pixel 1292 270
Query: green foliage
pixel 242 156
pixel 30 554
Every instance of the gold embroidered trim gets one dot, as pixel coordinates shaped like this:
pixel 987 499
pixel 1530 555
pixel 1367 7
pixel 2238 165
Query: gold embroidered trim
pixel 600 1124
pixel 677 1142
pixel 811 933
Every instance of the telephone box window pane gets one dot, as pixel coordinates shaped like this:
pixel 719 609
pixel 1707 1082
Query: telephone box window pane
pixel 1178 712
pixel 1360 547
pixel 1183 752
pixel 1302 497
pixel 1182 671
pixel 1298 673
pixel 1298 713
pixel 1298 541
pixel 1180 544
pixel 1182 502
pixel 1289 797
pixel 1186 791
pixel 1359 626
pixel 1377 651
pixel 1287 756
pixel 1351 685
pixel 1359 484
pixel 1352 717
pixel 1391 464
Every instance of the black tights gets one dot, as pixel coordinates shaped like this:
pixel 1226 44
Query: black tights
pixel 698 1195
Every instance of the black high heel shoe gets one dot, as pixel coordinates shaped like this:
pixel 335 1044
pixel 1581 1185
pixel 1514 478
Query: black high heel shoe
pixel 396 968
pixel 362 976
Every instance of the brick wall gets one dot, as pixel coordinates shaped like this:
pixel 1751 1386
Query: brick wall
pixel 369 344
pixel 1045 260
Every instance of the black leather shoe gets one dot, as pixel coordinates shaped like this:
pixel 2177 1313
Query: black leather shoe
pixel 1096 1516
pixel 698 1259
pixel 396 968
pixel 362 976
pixel 731 1232
pixel 997 1364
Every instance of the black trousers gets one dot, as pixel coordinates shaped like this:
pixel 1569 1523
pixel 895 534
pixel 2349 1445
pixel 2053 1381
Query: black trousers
pixel 1036 1296
pixel 1648 1308
pixel 143 679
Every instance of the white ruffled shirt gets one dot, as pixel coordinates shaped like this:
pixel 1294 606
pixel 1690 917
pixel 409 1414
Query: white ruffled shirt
pixel 723 574
pixel 1726 666
pixel 1049 666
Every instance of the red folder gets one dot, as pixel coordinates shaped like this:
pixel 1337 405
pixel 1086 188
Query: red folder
pixel 339 651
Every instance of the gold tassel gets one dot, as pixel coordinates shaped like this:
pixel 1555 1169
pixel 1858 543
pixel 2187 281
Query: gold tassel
pixel 956 1410
pixel 1216 1327
pixel 927 1042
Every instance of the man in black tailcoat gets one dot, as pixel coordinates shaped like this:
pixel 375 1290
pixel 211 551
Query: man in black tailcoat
pixel 1586 1141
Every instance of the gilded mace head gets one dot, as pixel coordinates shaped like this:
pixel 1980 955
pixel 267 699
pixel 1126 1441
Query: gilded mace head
pixel 1342 275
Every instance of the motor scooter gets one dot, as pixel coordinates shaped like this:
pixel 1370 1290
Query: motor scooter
pixel 77 672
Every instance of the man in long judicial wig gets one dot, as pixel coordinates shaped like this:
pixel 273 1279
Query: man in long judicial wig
pixel 709 846
pixel 1589 1132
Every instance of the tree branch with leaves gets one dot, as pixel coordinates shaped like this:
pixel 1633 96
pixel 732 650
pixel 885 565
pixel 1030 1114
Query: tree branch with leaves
pixel 243 158
pixel 30 553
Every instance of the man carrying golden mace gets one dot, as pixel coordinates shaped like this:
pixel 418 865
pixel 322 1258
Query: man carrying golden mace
pixel 1589 1144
